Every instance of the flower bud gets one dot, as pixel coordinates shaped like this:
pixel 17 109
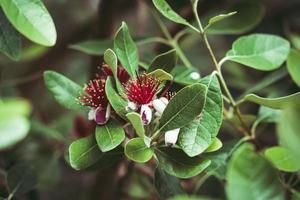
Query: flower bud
pixel 171 137
pixel 160 105
pixel 146 114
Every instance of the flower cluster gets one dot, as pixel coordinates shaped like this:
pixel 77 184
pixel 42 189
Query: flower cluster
pixel 141 93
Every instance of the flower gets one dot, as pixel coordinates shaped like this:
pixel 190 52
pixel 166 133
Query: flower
pixel 142 89
pixel 94 97
pixel 171 137
pixel 122 74
pixel 140 92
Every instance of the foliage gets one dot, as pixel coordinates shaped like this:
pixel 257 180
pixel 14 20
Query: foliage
pixel 154 118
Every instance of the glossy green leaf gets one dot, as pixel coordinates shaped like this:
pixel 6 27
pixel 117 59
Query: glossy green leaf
pixel 165 9
pixel 110 135
pixel 166 186
pixel 136 150
pixel 84 152
pixel 218 18
pixel 63 89
pixel 165 61
pixel 21 179
pixel 249 14
pixel 276 103
pixel 161 74
pixel 137 123
pixel 117 102
pixel 194 138
pixel 184 107
pixel 293 65
pixel 259 51
pixel 215 145
pixel 257 182
pixel 283 159
pixel 10 40
pixel 176 163
pixel 93 47
pixel 31 18
pixel 288 129
pixel 126 50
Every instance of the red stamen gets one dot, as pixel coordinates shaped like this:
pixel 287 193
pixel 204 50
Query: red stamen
pixel 142 89
pixel 94 94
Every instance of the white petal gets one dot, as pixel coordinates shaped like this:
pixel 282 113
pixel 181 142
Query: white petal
pixel 92 114
pixel 164 100
pixel 195 75
pixel 146 114
pixel 171 136
pixel 160 105
pixel 131 106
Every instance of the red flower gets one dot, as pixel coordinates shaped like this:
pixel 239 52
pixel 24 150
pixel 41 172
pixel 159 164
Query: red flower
pixel 122 74
pixel 94 96
pixel 142 89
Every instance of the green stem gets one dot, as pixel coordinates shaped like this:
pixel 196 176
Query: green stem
pixel 181 54
pixel 237 111
pixel 172 42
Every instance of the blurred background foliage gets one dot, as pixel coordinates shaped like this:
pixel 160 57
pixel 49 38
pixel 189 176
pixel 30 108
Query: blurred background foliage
pixel 84 29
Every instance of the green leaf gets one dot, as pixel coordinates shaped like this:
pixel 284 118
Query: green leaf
pixel 137 123
pixel 194 138
pixel 165 61
pixel 126 50
pixel 293 65
pixel 93 47
pixel 176 163
pixel 282 158
pixel 13 130
pixel 165 9
pixel 10 107
pixel 21 179
pixel 185 76
pixel 31 18
pixel 288 129
pixel 136 150
pixel 217 19
pixel 215 145
pixel 111 60
pixel 276 103
pixel 63 89
pixel 259 51
pixel 14 123
pixel 251 177
pixel 161 74
pixel 219 159
pixel 166 186
pixel 109 136
pixel 10 40
pixel 117 102
pixel 212 114
pixel 184 107
pixel 84 152
pixel 249 14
